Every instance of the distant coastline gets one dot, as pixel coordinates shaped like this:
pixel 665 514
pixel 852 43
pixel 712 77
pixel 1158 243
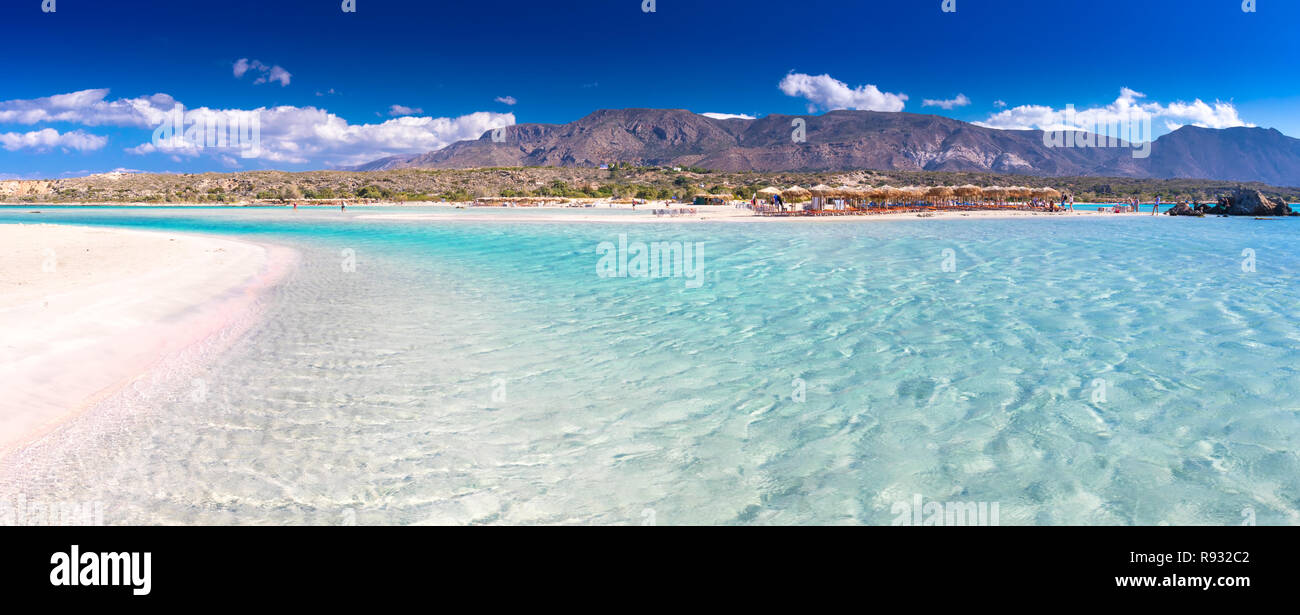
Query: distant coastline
pixel 619 181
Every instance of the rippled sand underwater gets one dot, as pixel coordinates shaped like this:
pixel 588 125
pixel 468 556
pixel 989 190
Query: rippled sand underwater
pixel 1071 371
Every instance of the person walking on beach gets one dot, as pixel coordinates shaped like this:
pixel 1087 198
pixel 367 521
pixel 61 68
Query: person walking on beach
pixel 343 207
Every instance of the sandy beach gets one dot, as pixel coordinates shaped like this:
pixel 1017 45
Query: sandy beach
pixel 87 310
pixel 644 215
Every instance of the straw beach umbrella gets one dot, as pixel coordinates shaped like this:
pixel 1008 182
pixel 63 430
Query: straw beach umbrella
pixel 939 194
pixel 796 195
pixel 855 195
pixel 881 194
pixel 820 193
pixel 913 194
pixel 969 192
pixel 994 194
pixel 765 195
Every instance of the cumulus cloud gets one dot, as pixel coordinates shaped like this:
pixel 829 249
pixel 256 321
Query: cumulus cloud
pixel 826 92
pixel 1001 104
pixel 397 110
pixel 960 101
pixel 48 138
pixel 1126 110
pixel 88 108
pixel 288 134
pixel 301 135
pixel 266 74
pixel 729 116
pixel 507 100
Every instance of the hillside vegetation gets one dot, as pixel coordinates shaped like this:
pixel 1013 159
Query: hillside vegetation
pixel 267 187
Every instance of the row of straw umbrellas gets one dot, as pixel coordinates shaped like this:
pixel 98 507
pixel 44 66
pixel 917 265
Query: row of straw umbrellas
pixel 913 194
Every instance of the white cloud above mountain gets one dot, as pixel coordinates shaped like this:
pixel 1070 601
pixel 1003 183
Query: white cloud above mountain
pixel 1128 108
pixel 826 92
pixel 49 138
pixel 960 101
pixel 728 116
pixel 288 134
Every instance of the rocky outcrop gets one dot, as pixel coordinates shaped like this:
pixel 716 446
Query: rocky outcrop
pixel 1254 203
pixel 1183 209
pixel 1242 202
pixel 20 188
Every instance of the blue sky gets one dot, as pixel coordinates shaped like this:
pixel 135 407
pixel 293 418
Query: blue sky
pixel 400 76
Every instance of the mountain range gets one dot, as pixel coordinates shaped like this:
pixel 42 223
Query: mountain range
pixel 851 140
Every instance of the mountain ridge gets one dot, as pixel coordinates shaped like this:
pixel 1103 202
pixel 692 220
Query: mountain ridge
pixel 858 140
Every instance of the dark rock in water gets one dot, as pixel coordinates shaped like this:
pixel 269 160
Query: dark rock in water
pixel 1254 203
pixel 1243 202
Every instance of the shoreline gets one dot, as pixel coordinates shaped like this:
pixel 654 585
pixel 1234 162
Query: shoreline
pixel 90 311
pixel 716 214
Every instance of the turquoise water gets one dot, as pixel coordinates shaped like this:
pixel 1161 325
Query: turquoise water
pixel 1074 371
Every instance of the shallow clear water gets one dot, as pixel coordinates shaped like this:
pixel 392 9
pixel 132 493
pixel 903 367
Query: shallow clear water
pixel 1117 371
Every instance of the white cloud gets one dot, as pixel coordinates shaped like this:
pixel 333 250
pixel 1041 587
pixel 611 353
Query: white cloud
pixel 960 101
pixel 48 138
pixel 1001 104
pixel 303 135
pixel 266 74
pixel 729 116
pixel 829 93
pixel 397 110
pixel 507 100
pixel 1126 109
pixel 89 108
pixel 296 135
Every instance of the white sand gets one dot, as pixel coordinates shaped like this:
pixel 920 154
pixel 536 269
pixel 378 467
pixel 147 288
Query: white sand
pixel 84 311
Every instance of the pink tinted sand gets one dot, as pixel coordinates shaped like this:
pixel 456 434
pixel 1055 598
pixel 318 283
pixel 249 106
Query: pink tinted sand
pixel 85 311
